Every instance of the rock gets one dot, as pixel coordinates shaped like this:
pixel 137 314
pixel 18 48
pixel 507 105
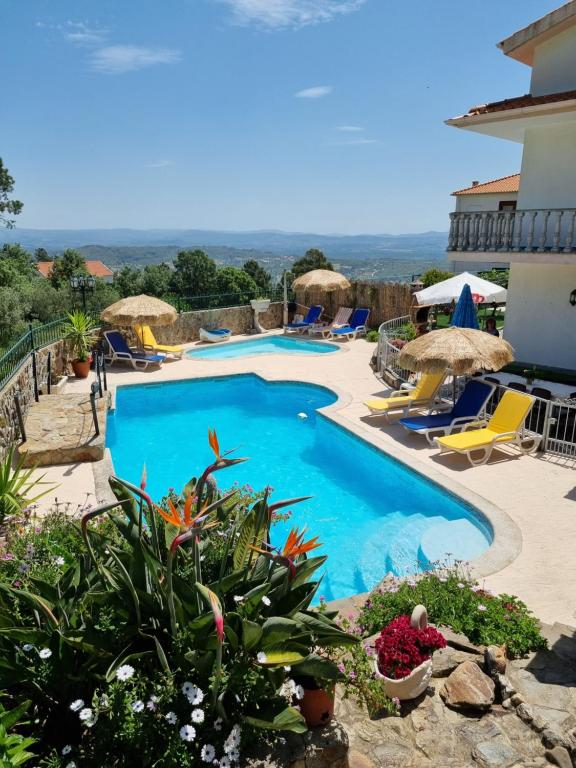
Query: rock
pixel 507 704
pixel 468 688
pixel 525 713
pixel 538 724
pixel 447 659
pixel 495 659
pixel 460 642
pixel 506 688
pixel 552 739
pixel 327 747
pixel 358 760
pixel 496 753
pixel 559 756
pixel 516 699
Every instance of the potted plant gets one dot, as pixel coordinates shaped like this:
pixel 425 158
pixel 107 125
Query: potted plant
pixel 260 304
pixel 404 654
pixel 315 699
pixel 80 334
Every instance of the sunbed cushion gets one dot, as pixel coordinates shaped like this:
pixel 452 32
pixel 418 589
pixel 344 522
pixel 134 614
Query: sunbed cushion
pixel 477 438
pixel 388 403
pixel 428 422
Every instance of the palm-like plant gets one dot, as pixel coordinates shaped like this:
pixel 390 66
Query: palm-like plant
pixel 18 486
pixel 80 333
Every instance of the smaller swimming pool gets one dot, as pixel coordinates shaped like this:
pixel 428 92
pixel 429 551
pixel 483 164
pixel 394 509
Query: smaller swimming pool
pixel 283 345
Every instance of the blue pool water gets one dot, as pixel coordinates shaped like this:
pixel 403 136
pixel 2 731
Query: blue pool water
pixel 372 514
pixel 285 345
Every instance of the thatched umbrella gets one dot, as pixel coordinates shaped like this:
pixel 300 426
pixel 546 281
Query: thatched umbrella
pixel 139 310
pixel 325 279
pixel 462 350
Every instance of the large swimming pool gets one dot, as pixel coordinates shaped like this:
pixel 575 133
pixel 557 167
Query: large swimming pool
pixel 373 514
pixel 267 345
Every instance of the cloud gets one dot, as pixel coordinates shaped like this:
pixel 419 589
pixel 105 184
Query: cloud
pixel 349 128
pixel 318 92
pixel 80 33
pixel 118 59
pixel 284 14
pixel 159 164
pixel 354 142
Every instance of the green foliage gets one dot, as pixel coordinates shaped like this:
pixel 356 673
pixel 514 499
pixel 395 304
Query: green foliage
pixel 13 746
pixel 19 487
pixel 194 273
pixel 80 334
pixel 138 619
pixel 497 276
pixel 455 601
pixel 70 264
pixel 16 265
pixel 12 315
pixel 433 276
pixel 41 254
pixel 312 259
pixel 262 278
pixel 236 283
pixel 372 336
pixel 155 279
pixel 8 206
pixel 128 281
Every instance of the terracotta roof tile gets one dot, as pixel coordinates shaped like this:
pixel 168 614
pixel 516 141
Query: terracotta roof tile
pixel 95 268
pixel 505 184
pixel 521 101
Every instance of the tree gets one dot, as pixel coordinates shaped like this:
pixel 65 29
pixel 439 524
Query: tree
pixel 312 259
pixel 16 265
pixel 12 315
pixel 498 276
pixel 262 278
pixel 71 263
pixel 434 275
pixel 42 254
pixel 194 274
pixel 128 281
pixel 7 205
pixel 235 284
pixel 155 279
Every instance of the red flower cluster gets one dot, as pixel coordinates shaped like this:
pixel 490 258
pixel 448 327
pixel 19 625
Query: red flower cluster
pixel 401 648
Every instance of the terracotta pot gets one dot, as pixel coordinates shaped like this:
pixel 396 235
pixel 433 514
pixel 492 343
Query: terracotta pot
pixel 317 707
pixel 410 687
pixel 81 368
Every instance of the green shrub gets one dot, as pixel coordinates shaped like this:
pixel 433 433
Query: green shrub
pixel 372 336
pixel 455 601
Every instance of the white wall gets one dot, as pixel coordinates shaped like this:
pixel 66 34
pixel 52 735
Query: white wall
pixel 554 67
pixel 540 321
pixel 548 177
pixel 468 203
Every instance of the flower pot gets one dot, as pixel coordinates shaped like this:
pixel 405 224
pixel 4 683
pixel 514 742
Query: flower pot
pixel 410 687
pixel 317 707
pixel 260 305
pixel 81 368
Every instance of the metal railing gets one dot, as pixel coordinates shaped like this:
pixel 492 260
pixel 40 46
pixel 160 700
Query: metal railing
pixel 548 230
pixel 222 300
pixel 387 352
pixel 22 350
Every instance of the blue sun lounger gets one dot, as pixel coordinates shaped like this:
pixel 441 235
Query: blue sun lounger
pixel 356 326
pixel 467 409
pixel 312 317
pixel 121 352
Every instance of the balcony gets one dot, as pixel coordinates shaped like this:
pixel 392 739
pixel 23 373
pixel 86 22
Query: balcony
pixel 531 231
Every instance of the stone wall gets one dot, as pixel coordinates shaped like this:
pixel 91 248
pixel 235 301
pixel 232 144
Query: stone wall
pixel 22 383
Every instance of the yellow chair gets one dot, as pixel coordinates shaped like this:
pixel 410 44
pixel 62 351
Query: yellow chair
pixel 505 426
pixel 405 400
pixel 148 341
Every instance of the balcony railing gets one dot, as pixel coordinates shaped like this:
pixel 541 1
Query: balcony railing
pixel 551 230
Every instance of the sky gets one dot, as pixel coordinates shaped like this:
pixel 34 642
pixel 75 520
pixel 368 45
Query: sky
pixel 321 116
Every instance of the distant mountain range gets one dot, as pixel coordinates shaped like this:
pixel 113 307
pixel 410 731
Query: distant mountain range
pixel 366 256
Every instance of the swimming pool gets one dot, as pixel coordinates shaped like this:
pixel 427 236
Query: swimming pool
pixel 372 514
pixel 285 345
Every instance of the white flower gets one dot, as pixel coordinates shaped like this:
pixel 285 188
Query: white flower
pixel 138 706
pixel 460 585
pixel 67 749
pixel 197 716
pixel 234 755
pixel 261 657
pixel 218 724
pixel 154 699
pixel 443 579
pixel 77 705
pixel 87 717
pixel 194 695
pixel 59 560
pixel 187 733
pixel 27 647
pixel 171 718
pixel 45 653
pixel 224 763
pixel 287 669
pixel 187 687
pixel 476 588
pixel 481 607
pixel 266 600
pixel 71 764
pixel 151 705
pixel 238 598
pixel 125 672
pixel 207 753
pixel 299 692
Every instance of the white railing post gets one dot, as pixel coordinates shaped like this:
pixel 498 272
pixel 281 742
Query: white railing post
pixel 569 243
pixel 557 230
pixel 544 231
pixel 518 219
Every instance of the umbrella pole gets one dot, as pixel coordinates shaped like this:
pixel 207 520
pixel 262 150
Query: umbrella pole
pixel 285 287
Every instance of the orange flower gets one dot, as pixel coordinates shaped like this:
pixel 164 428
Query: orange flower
pixel 174 516
pixel 293 548
pixel 214 444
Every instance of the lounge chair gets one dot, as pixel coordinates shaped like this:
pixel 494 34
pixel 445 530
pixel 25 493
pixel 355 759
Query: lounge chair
pixel 355 327
pixel 342 317
pixel 149 343
pixel 467 408
pixel 121 352
pixel 312 317
pixel 404 400
pixel 214 335
pixel 505 427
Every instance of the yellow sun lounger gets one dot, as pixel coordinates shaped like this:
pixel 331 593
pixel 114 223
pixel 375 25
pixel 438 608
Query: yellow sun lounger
pixel 404 400
pixel 504 427
pixel 148 341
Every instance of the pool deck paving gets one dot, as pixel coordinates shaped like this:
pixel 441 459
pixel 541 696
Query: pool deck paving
pixel 531 498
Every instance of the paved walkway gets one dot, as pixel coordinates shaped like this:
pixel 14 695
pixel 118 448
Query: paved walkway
pixel 538 494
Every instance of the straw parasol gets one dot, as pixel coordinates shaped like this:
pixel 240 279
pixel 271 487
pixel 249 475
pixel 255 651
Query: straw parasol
pixel 326 279
pixel 463 350
pixel 140 310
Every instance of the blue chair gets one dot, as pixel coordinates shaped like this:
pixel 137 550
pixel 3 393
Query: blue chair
pixel 312 317
pixel 467 409
pixel 355 327
pixel 121 352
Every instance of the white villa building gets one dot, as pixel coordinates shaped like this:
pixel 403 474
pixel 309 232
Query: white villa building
pixel 538 237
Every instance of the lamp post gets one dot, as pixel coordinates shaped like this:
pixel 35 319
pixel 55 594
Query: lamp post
pixel 83 284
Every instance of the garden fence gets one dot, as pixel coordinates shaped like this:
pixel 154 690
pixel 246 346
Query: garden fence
pixel 35 338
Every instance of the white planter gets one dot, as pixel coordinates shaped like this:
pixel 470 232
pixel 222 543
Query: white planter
pixel 260 305
pixel 410 687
